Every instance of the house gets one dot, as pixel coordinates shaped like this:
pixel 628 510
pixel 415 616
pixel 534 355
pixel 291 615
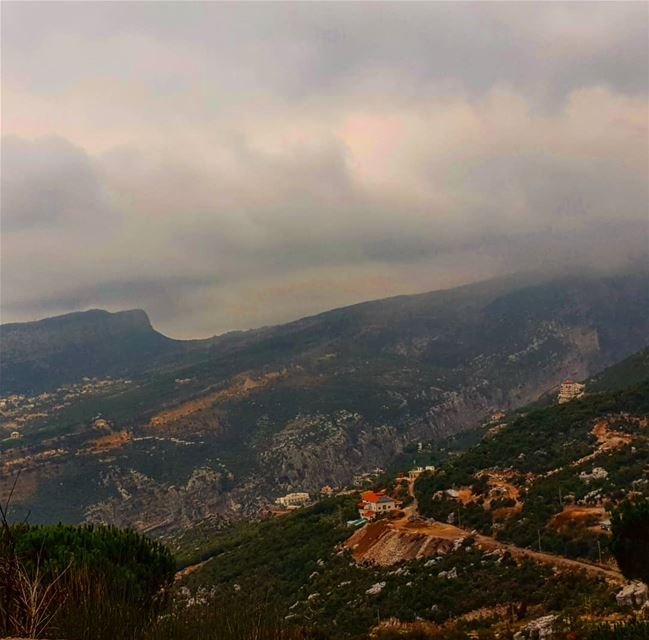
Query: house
pixel 294 500
pixel 374 503
pixel 413 474
pixel 570 390
pixel 14 435
pixel 327 491
pixel 598 473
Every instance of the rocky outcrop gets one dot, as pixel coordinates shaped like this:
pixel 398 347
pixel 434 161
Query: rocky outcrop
pixel 538 629
pixel 156 508
pixel 635 594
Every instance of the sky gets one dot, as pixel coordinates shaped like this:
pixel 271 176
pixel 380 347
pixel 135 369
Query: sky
pixel 232 165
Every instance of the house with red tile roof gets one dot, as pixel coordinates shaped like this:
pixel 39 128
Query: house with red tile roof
pixel 374 503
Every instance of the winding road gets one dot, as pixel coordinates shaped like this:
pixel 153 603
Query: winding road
pixel 487 542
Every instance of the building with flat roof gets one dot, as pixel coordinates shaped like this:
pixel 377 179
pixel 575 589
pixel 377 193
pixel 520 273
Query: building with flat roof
pixel 294 500
pixel 570 390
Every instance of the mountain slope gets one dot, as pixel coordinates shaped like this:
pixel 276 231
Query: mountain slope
pixel 47 353
pixel 225 425
pixel 526 483
pixel 630 371
pixel 551 477
pixel 302 563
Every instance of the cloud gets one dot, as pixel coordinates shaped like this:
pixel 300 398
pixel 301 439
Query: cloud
pixel 228 169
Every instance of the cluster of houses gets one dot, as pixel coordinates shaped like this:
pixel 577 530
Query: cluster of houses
pixel 413 474
pixel 17 410
pixel 371 505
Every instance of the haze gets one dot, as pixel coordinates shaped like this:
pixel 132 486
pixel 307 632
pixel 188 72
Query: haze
pixel 226 166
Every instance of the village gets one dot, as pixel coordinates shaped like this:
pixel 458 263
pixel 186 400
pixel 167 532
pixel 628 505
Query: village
pixel 18 412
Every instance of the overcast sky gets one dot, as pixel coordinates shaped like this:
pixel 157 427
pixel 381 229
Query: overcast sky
pixel 227 166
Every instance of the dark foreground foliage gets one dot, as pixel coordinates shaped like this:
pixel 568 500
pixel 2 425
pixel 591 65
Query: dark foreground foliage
pixel 53 578
pixel 103 583
pixel 630 542
pixel 633 630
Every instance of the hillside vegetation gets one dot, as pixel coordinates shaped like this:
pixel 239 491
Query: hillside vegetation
pixel 296 561
pixel 197 427
pixel 308 575
pixel 551 477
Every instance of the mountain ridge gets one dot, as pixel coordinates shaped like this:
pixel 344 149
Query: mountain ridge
pixel 63 349
pixel 401 310
pixel 225 426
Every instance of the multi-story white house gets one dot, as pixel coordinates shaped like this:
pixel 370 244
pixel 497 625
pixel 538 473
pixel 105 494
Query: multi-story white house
pixel 570 390
pixel 294 500
pixel 374 503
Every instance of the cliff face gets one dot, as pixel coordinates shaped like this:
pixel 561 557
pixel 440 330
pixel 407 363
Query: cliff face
pixel 317 401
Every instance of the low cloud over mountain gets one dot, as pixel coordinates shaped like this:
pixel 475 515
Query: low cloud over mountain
pixel 228 166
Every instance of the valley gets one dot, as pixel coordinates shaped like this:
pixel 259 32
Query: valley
pixel 484 544
pixel 219 428
pixel 505 490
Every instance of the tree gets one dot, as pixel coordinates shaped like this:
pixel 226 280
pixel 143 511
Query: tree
pixel 630 543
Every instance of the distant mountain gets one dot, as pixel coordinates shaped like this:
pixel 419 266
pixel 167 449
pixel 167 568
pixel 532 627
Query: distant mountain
pixel 223 426
pixel 38 355
pixel 605 318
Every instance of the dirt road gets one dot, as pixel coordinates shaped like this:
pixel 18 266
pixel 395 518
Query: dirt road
pixel 486 542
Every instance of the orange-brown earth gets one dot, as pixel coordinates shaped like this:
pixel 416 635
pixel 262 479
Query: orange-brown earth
pixel 609 439
pixel 580 516
pixel 202 413
pixel 387 542
pixel 108 442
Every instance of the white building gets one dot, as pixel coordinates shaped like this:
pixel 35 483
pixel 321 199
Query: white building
pixel 413 474
pixel 570 390
pixel 293 500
